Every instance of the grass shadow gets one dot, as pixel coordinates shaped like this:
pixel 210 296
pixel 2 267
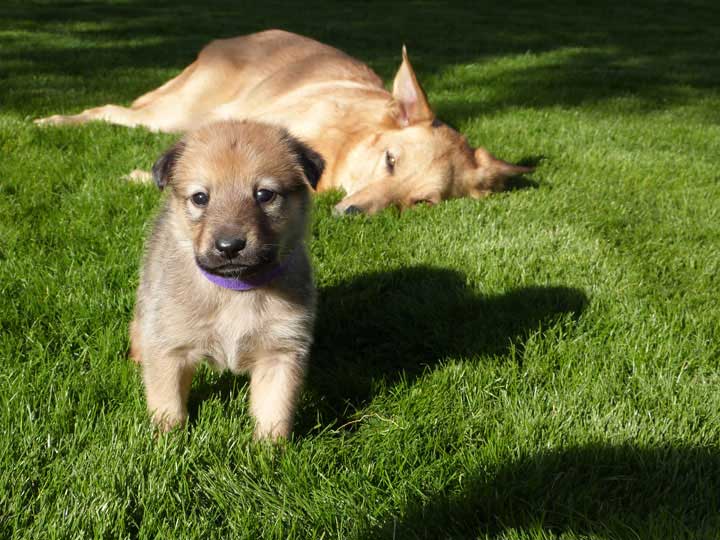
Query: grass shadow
pixel 379 327
pixel 516 183
pixel 611 491
pixel 606 50
pixel 224 387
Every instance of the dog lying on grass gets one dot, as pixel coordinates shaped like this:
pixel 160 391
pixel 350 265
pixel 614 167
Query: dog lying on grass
pixel 381 148
pixel 226 275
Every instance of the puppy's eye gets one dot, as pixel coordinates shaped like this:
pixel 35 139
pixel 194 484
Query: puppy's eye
pixel 200 199
pixel 264 196
pixel 390 161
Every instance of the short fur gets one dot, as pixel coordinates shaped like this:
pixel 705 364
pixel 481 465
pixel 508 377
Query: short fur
pixel 381 148
pixel 182 318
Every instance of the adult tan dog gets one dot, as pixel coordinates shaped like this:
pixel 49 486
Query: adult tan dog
pixel 382 149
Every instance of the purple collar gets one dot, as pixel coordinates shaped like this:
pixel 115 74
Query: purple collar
pixel 253 282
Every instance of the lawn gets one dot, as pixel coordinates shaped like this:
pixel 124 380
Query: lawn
pixel 540 364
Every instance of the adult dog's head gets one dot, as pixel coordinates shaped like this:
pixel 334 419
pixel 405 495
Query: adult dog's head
pixel 239 194
pixel 416 158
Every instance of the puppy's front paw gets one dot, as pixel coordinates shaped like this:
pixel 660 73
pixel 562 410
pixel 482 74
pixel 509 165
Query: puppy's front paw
pixel 272 432
pixel 166 421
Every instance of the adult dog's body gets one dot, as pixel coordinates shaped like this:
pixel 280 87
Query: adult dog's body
pixel 382 148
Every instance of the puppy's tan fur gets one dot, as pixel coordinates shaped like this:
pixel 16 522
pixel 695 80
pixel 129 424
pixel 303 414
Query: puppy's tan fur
pixel 381 148
pixel 182 318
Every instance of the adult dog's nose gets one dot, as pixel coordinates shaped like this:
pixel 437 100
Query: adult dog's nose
pixel 230 247
pixel 350 210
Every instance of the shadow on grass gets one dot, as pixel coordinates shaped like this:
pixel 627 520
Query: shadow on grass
pixel 516 183
pixel 379 327
pixel 622 491
pixel 225 387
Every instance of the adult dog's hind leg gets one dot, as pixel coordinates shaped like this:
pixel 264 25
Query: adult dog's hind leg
pixel 160 109
pixel 182 103
pixel 113 114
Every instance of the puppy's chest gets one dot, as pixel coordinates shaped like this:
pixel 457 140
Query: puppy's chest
pixel 247 328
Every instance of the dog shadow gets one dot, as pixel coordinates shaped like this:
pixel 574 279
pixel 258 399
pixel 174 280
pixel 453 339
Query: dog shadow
pixel 596 489
pixel 379 327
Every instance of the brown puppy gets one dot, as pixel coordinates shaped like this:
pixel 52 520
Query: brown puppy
pixel 382 148
pixel 226 275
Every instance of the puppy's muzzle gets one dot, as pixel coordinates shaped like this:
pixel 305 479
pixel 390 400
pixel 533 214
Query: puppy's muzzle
pixel 235 256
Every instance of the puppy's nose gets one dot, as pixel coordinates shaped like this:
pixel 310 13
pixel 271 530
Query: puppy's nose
pixel 230 246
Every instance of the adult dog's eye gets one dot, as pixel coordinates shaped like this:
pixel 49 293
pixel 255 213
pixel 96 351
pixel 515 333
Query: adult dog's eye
pixel 390 161
pixel 200 199
pixel 264 196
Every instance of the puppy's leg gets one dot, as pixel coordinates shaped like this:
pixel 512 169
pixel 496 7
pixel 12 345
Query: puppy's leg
pixel 167 380
pixel 135 342
pixel 275 382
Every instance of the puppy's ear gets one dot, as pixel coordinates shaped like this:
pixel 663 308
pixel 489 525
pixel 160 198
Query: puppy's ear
pixel 164 167
pixel 312 163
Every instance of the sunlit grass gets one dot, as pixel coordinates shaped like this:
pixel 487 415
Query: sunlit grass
pixel 540 364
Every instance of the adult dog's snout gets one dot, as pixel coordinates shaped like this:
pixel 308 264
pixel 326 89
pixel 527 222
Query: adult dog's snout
pixel 342 210
pixel 230 246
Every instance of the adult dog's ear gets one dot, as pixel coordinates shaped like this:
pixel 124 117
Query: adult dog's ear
pixel 312 163
pixel 409 95
pixel 164 167
pixel 492 174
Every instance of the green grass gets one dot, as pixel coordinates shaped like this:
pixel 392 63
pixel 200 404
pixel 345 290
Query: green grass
pixel 541 364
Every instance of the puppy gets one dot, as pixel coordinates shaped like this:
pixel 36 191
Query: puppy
pixel 226 275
